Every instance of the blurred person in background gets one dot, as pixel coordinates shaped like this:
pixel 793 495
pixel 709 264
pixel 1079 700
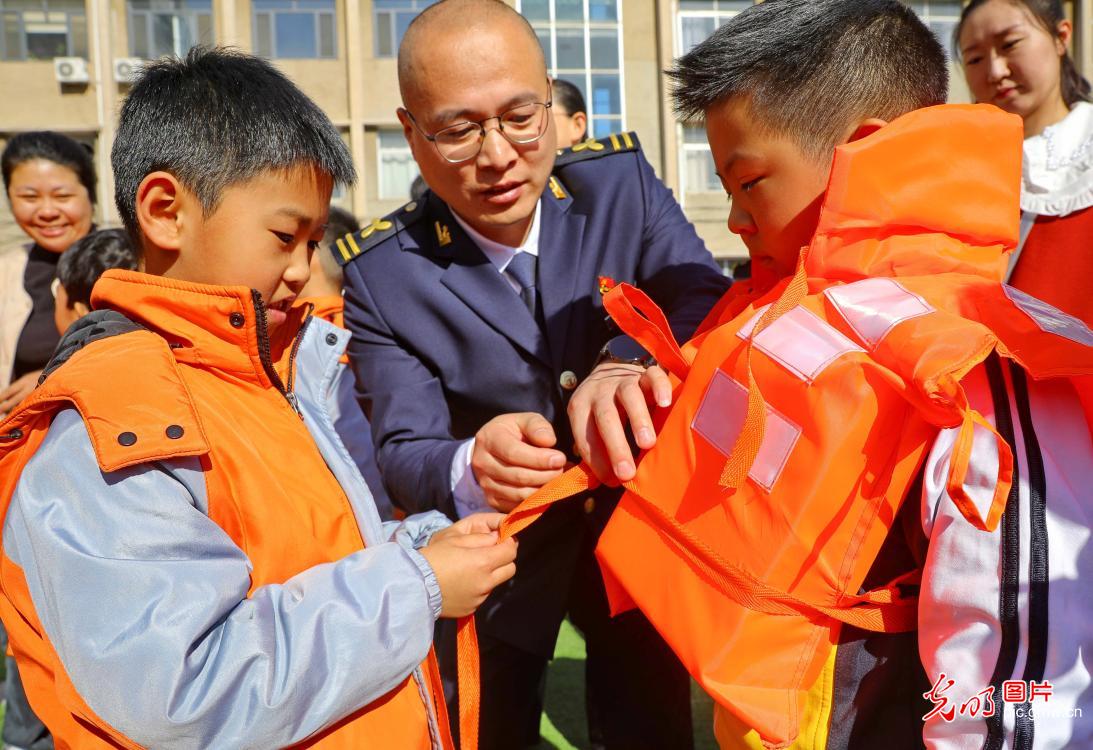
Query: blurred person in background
pixel 1014 54
pixel 324 291
pixel 50 182
pixel 81 266
pixel 570 113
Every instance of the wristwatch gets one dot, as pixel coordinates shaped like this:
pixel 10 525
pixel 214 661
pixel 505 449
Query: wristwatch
pixel 623 350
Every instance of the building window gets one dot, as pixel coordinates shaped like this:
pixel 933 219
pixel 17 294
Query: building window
pixel 168 27
pixel 397 166
pixel 941 16
pixel 699 172
pixel 696 21
pixel 299 29
pixel 391 19
pixel 582 42
pixel 42 29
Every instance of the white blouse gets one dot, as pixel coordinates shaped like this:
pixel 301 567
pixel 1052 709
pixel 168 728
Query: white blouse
pixel 1057 175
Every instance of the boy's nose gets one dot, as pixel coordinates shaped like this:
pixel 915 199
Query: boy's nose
pixel 740 221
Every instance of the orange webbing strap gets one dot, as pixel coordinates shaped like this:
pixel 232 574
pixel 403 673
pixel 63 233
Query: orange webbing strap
pixel 469 680
pixel 746 447
pixel 881 610
pixel 573 482
pixel 959 463
pixel 641 319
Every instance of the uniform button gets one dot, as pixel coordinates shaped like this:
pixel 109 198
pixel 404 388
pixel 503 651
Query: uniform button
pixel 237 320
pixel 590 505
pixel 127 438
pixel 412 205
pixel 568 380
pixel 331 338
pixel 175 431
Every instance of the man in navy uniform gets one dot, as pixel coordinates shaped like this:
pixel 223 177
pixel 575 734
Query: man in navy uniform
pixel 476 311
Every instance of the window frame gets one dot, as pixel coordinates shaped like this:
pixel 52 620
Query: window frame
pixel 295 8
pixel 586 26
pixel 147 16
pixel 407 6
pixel 72 47
pixel 382 151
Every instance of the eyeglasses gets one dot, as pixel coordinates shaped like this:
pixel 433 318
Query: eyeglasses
pixel 520 125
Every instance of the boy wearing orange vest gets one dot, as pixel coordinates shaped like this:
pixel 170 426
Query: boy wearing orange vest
pixel 874 351
pixel 190 558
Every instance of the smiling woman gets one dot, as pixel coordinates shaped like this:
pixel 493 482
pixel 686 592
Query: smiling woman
pixel 50 183
pixel 1014 54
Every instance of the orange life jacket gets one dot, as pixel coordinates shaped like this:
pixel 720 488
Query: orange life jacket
pixel 803 411
pixel 275 498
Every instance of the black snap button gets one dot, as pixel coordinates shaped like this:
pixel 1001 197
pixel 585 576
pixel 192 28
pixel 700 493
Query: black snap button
pixel 175 431
pixel 237 320
pixel 14 434
pixel 127 438
pixel 331 339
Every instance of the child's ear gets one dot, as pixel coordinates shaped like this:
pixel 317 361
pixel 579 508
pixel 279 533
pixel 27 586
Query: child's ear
pixel 161 210
pixel 81 309
pixel 865 128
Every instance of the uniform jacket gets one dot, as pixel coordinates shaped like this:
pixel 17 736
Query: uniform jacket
pixel 441 343
pixel 190 556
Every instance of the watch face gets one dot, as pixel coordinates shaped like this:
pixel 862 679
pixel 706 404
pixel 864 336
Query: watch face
pixel 626 348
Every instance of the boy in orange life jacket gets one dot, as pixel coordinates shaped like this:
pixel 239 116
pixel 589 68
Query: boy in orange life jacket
pixel 900 247
pixel 190 559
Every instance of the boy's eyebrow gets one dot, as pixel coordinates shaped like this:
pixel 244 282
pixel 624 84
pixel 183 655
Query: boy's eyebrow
pixel 293 213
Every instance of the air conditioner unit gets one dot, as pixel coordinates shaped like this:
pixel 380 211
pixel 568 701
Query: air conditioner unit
pixel 127 68
pixel 70 70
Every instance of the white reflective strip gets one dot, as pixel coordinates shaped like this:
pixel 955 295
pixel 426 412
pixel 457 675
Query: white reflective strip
pixel 720 418
pixel 801 342
pixel 874 307
pixel 1050 319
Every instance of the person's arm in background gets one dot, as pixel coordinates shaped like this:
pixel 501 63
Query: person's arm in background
pixel 679 274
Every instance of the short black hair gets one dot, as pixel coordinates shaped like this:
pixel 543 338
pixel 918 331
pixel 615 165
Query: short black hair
pixel 81 265
pixel 568 96
pixel 51 146
pixel 338 224
pixel 810 68
pixel 216 118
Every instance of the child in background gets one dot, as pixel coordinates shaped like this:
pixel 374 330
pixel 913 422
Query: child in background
pixel 324 292
pixel 190 560
pixel 81 266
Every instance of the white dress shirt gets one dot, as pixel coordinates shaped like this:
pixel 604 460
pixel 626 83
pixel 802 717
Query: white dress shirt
pixel 467 493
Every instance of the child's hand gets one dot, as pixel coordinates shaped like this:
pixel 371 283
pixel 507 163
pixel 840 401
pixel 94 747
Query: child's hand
pixel 476 523
pixel 468 564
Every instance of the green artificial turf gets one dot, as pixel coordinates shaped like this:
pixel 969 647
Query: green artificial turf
pixel 563 726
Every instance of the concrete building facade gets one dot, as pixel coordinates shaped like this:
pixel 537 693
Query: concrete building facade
pixel 64 65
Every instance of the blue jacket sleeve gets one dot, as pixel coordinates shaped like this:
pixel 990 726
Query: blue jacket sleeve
pixel 405 403
pixel 144 599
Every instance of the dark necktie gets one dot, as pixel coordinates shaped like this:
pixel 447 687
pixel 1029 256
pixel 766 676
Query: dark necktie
pixel 522 270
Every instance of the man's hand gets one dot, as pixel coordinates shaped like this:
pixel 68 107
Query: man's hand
pixel 17 391
pixel 513 458
pixel 468 564
pixel 611 394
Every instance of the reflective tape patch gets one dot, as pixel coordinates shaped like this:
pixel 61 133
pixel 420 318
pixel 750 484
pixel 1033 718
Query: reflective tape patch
pixel 721 416
pixel 801 341
pixel 874 307
pixel 1050 319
